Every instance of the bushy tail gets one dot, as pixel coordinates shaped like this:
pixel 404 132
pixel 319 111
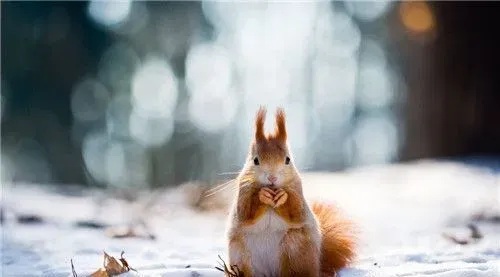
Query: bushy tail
pixel 338 246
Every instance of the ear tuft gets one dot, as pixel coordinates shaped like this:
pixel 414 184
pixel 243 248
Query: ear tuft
pixel 280 131
pixel 259 124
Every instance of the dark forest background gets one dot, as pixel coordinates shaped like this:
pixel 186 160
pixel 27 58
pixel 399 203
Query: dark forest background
pixel 445 78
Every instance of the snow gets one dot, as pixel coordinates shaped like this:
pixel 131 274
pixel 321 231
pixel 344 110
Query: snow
pixel 401 210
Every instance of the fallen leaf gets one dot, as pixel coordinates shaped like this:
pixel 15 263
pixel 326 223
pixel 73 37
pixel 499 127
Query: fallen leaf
pixel 111 267
pixel 101 272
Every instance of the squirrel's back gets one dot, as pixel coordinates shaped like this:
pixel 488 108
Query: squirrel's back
pixel 338 246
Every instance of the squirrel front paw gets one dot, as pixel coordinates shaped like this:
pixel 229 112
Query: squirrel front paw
pixel 280 198
pixel 266 196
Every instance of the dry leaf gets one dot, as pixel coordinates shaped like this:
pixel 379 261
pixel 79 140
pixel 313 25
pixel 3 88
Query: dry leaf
pixel 111 267
pixel 101 272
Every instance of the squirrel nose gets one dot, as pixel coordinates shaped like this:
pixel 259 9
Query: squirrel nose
pixel 272 179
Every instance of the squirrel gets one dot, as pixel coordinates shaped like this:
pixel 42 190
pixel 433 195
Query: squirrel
pixel 272 230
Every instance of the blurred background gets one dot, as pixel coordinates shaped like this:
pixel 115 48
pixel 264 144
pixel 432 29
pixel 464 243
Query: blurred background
pixel 136 93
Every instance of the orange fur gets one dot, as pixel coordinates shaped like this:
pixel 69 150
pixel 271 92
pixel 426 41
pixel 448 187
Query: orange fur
pixel 293 210
pixel 280 130
pixel 250 208
pixel 236 244
pixel 338 247
pixel 259 125
pixel 312 241
pixel 299 243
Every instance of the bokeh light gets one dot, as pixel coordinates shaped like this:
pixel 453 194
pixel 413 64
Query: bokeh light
pixel 336 34
pixel 367 10
pixel 127 164
pixel 94 149
pixel 168 80
pixel 374 140
pixel 118 116
pixel 212 112
pixel 152 131
pixel 154 89
pixel 208 70
pixel 375 89
pixel 223 15
pixel 89 100
pixel 268 86
pixel 416 16
pixel 110 14
pixel 115 162
pixel 117 66
pixel 137 20
pixel 375 85
pixel 334 82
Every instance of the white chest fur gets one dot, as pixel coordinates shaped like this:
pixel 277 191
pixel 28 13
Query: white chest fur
pixel 263 242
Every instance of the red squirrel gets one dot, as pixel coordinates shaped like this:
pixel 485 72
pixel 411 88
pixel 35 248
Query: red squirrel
pixel 273 231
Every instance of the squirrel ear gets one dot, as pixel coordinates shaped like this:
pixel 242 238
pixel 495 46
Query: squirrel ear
pixel 280 131
pixel 259 125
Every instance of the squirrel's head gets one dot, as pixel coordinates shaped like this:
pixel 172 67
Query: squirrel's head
pixel 269 161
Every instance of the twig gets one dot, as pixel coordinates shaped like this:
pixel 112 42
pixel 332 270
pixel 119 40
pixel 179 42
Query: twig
pixel 125 263
pixel 73 269
pixel 232 271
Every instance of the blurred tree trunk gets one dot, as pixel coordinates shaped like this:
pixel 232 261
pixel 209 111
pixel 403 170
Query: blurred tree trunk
pixel 453 105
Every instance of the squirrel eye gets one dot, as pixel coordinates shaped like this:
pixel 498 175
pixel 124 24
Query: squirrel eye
pixel 287 160
pixel 256 161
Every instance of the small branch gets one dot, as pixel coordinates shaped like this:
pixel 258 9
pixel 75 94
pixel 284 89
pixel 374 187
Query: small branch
pixel 73 269
pixel 125 263
pixel 232 271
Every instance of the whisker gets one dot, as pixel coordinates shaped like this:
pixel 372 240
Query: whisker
pixel 218 188
pixel 228 173
pixel 220 185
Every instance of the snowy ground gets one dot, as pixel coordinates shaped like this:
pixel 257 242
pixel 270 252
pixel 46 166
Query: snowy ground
pixel 402 212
